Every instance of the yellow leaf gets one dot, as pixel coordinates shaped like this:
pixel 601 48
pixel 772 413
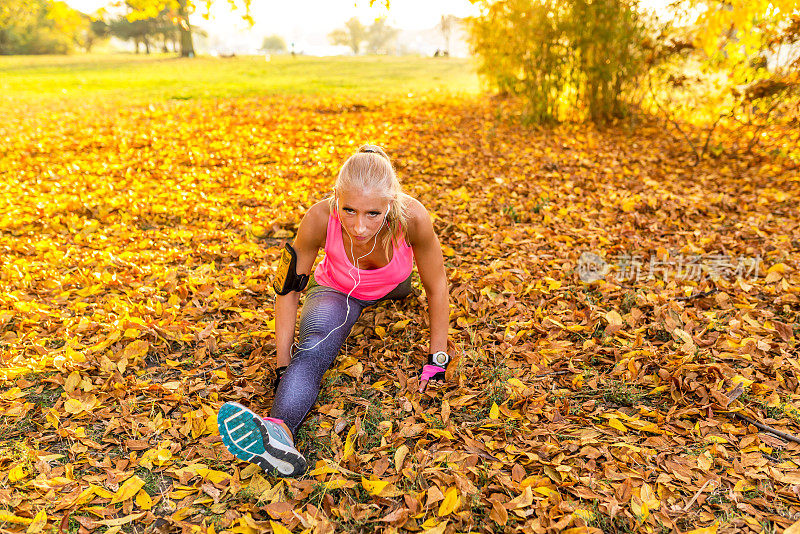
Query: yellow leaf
pixel 450 503
pixel 614 318
pixel 640 510
pixel 85 496
pixel 629 204
pixel 127 490
pixel 739 379
pixel 400 456
pixel 52 418
pixel 277 528
pixel 121 520
pixel 102 492
pixel 437 529
pixel 17 473
pixel 132 333
pixel 374 487
pixel 8 517
pixel 516 383
pixel 136 349
pixel 338 483
pixel 11 394
pixel 162 456
pixel 649 497
pixel 73 406
pixel 777 268
pixel 38 523
pixel 143 500
pixel 72 381
pixel 381 331
pixel 794 528
pixel 523 500
pixel 494 413
pixel 212 475
pixel 583 513
pixel 348 443
pixel 706 530
pixel 614 423
pixel 399 325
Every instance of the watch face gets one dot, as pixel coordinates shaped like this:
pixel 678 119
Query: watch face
pixel 441 358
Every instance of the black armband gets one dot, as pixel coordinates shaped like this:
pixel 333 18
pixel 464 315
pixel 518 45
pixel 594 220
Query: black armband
pixel 286 278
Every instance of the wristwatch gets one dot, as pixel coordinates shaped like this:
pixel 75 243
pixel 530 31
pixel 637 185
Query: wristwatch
pixel 440 358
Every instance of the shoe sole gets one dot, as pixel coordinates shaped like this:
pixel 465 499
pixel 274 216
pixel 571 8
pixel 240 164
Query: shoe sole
pixel 246 436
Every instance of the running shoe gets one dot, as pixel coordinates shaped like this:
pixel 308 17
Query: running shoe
pixel 258 440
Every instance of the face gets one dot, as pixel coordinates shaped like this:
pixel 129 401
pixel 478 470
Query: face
pixel 362 213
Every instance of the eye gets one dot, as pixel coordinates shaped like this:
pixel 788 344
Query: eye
pixel 348 210
pixel 374 214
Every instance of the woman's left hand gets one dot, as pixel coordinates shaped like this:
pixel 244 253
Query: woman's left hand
pixel 430 372
pixel 434 370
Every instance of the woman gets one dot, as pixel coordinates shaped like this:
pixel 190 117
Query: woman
pixel 370 230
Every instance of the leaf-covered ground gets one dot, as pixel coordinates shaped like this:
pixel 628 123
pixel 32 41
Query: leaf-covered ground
pixel 137 246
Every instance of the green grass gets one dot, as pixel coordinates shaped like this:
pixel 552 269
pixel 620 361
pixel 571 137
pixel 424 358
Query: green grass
pixel 166 77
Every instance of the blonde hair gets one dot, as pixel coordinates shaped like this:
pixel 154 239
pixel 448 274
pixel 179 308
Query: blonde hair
pixel 370 169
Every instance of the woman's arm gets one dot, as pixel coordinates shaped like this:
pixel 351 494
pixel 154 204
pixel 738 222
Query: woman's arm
pixel 430 264
pixel 310 237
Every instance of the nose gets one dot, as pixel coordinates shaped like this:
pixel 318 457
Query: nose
pixel 361 226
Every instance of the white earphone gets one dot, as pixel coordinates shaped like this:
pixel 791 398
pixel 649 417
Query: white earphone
pixel 349 273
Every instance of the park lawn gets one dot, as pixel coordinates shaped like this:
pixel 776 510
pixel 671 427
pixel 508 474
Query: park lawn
pixel 139 234
pixel 166 77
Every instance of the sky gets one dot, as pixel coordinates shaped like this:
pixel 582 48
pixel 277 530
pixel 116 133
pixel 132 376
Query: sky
pixel 312 16
pixel 308 22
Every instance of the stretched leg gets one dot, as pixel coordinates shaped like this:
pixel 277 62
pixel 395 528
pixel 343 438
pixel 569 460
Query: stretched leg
pixel 319 341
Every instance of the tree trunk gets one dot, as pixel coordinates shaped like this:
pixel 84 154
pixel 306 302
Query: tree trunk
pixel 147 45
pixel 187 48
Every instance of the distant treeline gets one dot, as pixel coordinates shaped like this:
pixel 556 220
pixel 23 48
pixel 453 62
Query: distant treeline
pixel 52 27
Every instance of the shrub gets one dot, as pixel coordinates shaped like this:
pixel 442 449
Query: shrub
pixel 567 59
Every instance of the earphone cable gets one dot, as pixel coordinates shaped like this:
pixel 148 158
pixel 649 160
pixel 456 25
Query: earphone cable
pixel 357 283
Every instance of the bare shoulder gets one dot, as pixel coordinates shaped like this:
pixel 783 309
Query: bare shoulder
pixel 314 226
pixel 419 220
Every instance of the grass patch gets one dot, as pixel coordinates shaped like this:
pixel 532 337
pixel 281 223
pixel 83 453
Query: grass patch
pixel 44 399
pixel 154 482
pixel 312 446
pixel 167 78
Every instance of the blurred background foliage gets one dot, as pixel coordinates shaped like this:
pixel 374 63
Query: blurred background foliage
pixel 706 66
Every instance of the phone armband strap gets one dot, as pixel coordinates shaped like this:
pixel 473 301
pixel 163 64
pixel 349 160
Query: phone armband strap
pixel 286 278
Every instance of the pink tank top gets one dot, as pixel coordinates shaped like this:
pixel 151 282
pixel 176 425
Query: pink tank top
pixel 375 283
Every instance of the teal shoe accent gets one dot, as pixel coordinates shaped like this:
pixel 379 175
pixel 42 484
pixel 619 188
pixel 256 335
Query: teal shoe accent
pixel 250 438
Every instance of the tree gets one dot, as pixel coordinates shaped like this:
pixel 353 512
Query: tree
pixel 144 9
pixel 147 31
pixel 446 26
pixel 98 29
pixel 273 43
pixel 353 35
pixel 380 36
pixel 731 64
pixel 39 27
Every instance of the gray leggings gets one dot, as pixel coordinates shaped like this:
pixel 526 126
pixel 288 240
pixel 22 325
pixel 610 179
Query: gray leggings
pixel 324 309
